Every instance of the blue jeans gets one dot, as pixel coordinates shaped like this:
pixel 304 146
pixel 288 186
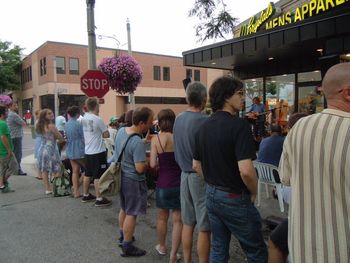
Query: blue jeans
pixel 17 150
pixel 234 215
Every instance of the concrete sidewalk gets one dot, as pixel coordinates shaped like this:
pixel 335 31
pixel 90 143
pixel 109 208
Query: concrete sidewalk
pixel 38 228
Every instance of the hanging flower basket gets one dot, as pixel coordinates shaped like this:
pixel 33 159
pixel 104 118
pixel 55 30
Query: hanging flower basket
pixel 124 73
pixel 5 100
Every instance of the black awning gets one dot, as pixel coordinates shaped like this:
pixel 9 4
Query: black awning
pixel 294 48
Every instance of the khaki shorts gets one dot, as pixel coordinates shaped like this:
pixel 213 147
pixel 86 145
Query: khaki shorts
pixel 192 197
pixel 8 166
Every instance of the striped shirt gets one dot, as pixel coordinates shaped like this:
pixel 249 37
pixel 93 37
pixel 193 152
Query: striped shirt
pixel 316 163
pixel 15 123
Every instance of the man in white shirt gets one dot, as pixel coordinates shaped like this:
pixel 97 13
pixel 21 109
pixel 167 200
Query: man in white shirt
pixel 95 151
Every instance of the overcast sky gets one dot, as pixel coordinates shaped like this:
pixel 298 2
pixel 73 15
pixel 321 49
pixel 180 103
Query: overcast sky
pixel 157 26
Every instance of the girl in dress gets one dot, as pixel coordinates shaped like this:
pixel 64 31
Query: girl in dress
pixel 49 161
pixel 168 184
pixel 75 146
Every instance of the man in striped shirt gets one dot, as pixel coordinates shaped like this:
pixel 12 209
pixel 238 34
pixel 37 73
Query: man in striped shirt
pixel 316 163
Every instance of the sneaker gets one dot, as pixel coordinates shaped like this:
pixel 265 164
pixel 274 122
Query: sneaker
pixel 48 192
pixel 88 198
pixel 133 251
pixel 103 202
pixel 121 239
pixel 6 190
pixel 22 173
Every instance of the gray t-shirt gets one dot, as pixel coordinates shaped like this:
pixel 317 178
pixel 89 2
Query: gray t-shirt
pixel 134 152
pixel 185 128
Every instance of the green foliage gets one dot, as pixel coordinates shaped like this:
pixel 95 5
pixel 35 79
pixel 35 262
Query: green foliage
pixel 217 21
pixel 10 66
pixel 271 88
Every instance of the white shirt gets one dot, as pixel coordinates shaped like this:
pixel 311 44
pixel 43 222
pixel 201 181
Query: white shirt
pixel 93 127
pixel 60 122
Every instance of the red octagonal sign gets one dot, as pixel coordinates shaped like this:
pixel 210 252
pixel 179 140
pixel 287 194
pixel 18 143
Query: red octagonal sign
pixel 94 83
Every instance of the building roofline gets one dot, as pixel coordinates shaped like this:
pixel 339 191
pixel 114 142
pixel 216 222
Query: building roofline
pixel 97 47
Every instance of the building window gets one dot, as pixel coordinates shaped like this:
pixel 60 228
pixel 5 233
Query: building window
pixel 30 73
pixel 188 73
pixel 159 100
pixel 156 72
pixel 44 66
pixel 60 65
pixel 74 66
pixel 166 73
pixel 197 75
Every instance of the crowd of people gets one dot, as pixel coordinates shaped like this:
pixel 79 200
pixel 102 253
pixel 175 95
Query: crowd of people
pixel 206 175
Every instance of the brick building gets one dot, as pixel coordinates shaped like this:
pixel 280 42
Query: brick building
pixel 161 87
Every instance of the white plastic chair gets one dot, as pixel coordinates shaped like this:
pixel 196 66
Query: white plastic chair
pixel 266 176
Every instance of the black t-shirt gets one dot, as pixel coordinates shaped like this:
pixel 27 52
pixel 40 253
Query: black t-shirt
pixel 221 142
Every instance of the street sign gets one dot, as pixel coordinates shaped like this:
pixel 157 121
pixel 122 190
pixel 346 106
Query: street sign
pixel 94 83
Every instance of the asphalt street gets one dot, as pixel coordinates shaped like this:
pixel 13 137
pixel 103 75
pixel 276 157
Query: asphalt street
pixel 35 228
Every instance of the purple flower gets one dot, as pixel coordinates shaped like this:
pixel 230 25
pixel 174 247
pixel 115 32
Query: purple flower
pixel 5 100
pixel 124 73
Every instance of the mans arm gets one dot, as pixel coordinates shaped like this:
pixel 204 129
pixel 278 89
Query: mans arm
pixel 249 177
pixel 197 166
pixel 18 120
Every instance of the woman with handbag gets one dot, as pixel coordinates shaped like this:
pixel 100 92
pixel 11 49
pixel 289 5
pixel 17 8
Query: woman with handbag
pixel 49 161
pixel 168 184
pixel 75 147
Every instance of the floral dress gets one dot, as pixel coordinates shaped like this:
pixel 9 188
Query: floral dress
pixel 48 157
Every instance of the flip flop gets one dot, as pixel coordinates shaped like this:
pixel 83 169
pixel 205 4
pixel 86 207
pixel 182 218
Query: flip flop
pixel 161 253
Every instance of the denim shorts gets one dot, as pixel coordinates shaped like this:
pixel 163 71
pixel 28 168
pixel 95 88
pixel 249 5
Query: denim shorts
pixel 234 215
pixel 133 196
pixel 168 198
pixel 193 208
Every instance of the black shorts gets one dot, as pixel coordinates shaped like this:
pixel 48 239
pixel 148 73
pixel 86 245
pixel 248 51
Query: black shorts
pixel 96 164
pixel 279 236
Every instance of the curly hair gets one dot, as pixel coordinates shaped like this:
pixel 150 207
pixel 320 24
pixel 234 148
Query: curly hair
pixel 222 89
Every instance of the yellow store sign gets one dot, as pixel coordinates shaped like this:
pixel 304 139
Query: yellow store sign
pixel 310 9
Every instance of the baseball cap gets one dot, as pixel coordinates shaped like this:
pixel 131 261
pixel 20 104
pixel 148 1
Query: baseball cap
pixel 113 119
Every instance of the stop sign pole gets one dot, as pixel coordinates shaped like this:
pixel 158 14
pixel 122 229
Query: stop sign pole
pixel 94 83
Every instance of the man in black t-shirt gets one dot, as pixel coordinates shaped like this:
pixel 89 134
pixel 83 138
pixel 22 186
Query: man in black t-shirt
pixel 224 150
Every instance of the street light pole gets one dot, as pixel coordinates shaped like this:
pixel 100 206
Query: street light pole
pixel 56 102
pixel 91 33
pixel 131 94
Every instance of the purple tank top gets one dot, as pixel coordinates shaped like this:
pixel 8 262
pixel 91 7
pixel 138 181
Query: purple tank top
pixel 169 171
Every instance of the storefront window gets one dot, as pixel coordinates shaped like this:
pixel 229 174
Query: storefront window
pixel 280 98
pixel 310 97
pixel 253 88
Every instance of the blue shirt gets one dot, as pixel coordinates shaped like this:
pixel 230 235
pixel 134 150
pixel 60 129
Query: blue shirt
pixel 75 139
pixel 270 150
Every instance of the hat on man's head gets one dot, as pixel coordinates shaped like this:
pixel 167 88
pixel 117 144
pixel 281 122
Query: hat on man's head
pixel 113 120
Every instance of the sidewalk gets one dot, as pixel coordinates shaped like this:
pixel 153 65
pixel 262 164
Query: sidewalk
pixel 39 228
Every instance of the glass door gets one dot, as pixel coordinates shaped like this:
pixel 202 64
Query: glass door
pixel 310 98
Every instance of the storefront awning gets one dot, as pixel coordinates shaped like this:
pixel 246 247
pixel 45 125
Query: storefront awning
pixel 295 48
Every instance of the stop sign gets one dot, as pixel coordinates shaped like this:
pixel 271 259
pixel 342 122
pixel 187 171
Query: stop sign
pixel 94 83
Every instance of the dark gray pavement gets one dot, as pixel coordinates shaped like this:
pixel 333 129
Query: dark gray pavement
pixel 35 228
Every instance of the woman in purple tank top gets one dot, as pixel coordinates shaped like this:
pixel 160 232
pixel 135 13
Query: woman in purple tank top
pixel 168 184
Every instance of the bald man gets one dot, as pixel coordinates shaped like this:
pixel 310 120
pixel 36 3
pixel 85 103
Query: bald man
pixel 315 162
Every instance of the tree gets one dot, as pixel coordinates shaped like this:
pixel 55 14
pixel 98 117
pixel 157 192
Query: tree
pixel 217 21
pixel 10 66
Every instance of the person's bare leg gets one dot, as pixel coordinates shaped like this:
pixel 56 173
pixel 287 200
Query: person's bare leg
pixel 75 177
pixel 275 254
pixel 129 227
pixel 186 237
pixel 162 228
pixel 46 181
pixel 97 191
pixel 176 235
pixel 86 185
pixel 121 219
pixel 203 246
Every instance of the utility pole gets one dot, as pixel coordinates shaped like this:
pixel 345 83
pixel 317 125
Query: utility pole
pixel 91 33
pixel 131 94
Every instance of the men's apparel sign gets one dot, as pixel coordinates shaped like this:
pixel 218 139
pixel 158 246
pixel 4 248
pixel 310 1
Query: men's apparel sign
pixel 310 9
